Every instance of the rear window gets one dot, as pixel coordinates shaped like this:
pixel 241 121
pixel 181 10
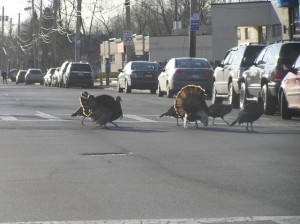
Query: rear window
pixel 81 67
pixel 35 72
pixel 290 52
pixel 191 63
pixel 145 66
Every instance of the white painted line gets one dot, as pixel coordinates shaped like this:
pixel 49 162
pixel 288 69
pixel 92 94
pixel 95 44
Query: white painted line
pixel 138 118
pixel 7 117
pixel 246 220
pixel 47 116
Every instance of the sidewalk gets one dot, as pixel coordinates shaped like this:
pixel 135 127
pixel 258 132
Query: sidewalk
pixel 112 85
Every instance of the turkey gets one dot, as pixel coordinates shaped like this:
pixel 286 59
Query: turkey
pixel 102 109
pixel 79 113
pixel 171 113
pixel 250 113
pixel 219 110
pixel 190 104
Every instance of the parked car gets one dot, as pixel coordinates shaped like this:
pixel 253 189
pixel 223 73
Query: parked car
pixel 54 81
pixel 289 92
pixel 48 76
pixel 60 75
pixel 228 73
pixel 183 71
pixel 20 78
pixel 265 76
pixel 78 74
pixel 13 74
pixel 34 75
pixel 139 75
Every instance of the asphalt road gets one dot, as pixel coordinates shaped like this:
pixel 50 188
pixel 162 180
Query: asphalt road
pixel 54 169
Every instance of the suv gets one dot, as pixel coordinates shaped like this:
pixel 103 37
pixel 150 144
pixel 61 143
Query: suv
pixel 265 76
pixel 34 75
pixel 227 74
pixel 78 74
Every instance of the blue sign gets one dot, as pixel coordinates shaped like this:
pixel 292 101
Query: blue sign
pixel 195 22
pixel 287 3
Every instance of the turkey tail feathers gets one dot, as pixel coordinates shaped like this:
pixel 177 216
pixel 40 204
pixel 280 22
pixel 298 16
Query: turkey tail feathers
pixel 189 100
pixel 233 123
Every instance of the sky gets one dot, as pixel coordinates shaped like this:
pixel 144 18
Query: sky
pixel 13 7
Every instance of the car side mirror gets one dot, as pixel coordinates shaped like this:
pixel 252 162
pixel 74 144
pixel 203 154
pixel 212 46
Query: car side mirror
pixel 294 70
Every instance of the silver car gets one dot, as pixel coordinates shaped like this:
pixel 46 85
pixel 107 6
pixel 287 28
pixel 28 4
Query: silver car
pixel 34 75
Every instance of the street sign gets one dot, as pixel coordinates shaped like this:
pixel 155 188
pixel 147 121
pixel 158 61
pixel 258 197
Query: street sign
pixel 127 37
pixel 195 22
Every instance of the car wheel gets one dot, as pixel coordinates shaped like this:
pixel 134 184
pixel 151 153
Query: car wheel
pixel 285 111
pixel 127 87
pixel 243 95
pixel 159 92
pixel 214 98
pixel 120 90
pixel 269 102
pixel 233 98
pixel 169 91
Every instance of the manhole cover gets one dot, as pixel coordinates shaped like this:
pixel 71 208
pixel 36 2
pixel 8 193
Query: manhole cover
pixel 106 154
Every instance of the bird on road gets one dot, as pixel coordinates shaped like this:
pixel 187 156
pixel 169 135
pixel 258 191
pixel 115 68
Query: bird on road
pixel 171 113
pixel 102 109
pixel 250 113
pixel 219 110
pixel 190 104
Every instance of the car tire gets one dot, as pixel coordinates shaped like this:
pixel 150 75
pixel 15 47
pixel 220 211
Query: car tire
pixel 119 89
pixel 285 111
pixel 127 87
pixel 214 98
pixel 159 92
pixel 269 102
pixel 243 95
pixel 233 98
pixel 169 92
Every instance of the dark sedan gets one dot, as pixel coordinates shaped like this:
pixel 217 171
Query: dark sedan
pixel 139 75
pixel 183 71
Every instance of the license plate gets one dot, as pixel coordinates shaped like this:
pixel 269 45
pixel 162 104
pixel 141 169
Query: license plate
pixel 148 75
pixel 196 76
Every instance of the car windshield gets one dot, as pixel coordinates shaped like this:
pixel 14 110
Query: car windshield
pixel 290 51
pixel 145 66
pixel 191 63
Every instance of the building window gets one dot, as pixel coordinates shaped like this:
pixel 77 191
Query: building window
pixel 276 30
pixel 112 58
pixel 239 34
pixel 247 33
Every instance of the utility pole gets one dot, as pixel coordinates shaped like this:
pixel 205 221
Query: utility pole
pixel 129 47
pixel 77 35
pixel 40 51
pixel 2 39
pixel 56 4
pixel 193 11
pixel 18 50
pixel 33 35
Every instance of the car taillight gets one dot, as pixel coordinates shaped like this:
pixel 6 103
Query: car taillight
pixel 209 74
pixel 179 73
pixel 278 75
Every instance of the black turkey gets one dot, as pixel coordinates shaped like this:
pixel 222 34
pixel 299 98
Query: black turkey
pixel 102 109
pixel 171 113
pixel 79 113
pixel 190 104
pixel 250 112
pixel 219 110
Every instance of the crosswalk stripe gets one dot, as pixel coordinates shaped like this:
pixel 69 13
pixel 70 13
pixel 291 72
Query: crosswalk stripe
pixel 48 116
pixel 7 117
pixel 138 118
